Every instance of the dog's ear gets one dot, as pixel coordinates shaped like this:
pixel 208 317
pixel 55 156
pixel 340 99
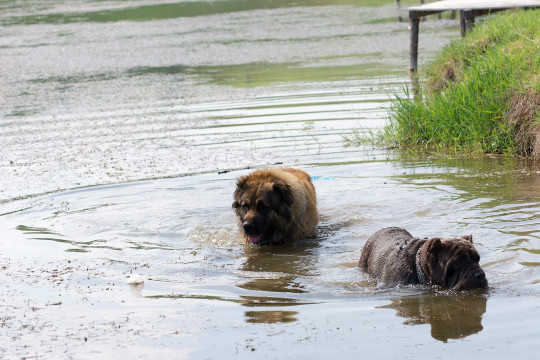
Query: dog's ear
pixel 467 237
pixel 241 182
pixel 285 191
pixel 434 247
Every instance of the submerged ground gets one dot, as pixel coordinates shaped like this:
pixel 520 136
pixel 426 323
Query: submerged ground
pixel 124 125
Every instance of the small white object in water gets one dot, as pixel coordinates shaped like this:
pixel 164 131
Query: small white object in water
pixel 135 279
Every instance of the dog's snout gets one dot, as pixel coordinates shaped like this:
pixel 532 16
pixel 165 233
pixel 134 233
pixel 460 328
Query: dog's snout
pixel 479 274
pixel 248 226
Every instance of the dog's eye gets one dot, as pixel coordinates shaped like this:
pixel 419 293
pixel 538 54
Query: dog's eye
pixel 262 206
pixel 245 207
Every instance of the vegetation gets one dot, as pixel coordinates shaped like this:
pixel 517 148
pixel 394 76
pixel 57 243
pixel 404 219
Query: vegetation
pixel 482 93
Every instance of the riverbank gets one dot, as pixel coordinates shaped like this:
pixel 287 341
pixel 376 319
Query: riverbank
pixel 481 94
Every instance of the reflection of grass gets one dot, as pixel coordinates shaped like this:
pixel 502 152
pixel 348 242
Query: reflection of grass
pixel 244 75
pixel 21 112
pixel 261 74
pixel 271 317
pixel 308 125
pixel 530 263
pixel 250 75
pixel 364 136
pixel 499 181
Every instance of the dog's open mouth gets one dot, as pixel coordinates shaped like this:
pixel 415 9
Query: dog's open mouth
pixel 254 239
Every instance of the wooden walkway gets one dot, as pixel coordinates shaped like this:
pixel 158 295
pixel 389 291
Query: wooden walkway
pixel 468 10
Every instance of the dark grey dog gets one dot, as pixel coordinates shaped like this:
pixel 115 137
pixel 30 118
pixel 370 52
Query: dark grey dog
pixel 392 256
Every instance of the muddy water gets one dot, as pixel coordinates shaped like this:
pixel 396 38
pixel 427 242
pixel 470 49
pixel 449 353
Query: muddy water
pixel 124 126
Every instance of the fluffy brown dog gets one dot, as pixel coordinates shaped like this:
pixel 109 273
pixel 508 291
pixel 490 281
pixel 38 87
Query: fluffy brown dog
pixel 276 205
pixel 392 256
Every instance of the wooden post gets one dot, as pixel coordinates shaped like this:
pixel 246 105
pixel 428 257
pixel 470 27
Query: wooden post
pixel 414 21
pixel 462 23
pixel 400 19
pixel 466 21
pixel 469 19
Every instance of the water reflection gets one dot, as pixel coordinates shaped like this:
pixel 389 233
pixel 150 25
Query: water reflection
pixel 499 178
pixel 260 73
pixel 451 316
pixel 265 301
pixel 271 317
pixel 136 289
pixel 277 268
pixel 44 234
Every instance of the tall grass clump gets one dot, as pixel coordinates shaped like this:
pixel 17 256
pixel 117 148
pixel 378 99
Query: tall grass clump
pixel 482 92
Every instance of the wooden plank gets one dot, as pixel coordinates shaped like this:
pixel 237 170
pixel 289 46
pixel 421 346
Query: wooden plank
pixel 456 5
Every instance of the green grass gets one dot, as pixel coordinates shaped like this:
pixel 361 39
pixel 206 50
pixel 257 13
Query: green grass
pixel 481 95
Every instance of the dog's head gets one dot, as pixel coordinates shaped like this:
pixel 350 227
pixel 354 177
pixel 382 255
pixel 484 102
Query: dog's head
pixel 454 263
pixel 263 208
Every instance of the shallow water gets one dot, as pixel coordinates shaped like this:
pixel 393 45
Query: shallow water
pixel 120 158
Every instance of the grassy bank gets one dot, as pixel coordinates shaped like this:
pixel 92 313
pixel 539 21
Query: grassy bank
pixel 482 93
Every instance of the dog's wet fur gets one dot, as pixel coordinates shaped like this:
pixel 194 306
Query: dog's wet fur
pixel 393 256
pixel 275 206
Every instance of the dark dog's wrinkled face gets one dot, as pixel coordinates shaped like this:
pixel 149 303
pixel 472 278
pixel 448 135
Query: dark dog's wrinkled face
pixel 263 210
pixel 454 263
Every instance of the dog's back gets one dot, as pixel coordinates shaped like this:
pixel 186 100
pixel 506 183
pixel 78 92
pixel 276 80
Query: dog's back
pixel 389 256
